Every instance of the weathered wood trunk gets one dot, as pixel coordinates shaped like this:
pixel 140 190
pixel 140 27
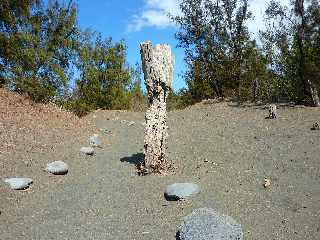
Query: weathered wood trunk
pixel 157 64
pixel 272 111
pixel 314 94
pixel 255 89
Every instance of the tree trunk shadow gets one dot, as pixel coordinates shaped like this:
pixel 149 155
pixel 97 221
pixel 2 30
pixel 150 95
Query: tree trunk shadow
pixel 137 159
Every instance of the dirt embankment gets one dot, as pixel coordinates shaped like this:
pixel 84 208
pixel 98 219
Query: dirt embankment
pixel 33 134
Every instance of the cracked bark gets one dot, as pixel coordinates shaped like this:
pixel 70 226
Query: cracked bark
pixel 314 94
pixel 157 64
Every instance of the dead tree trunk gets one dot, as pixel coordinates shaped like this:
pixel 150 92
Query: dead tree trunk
pixel 314 94
pixel 157 64
pixel 255 89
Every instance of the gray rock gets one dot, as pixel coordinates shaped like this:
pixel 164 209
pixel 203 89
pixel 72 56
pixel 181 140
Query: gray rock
pixel 178 191
pixel 315 126
pixel 131 123
pixel 105 131
pixel 87 150
pixel 207 224
pixel 19 183
pixel 94 140
pixel 57 168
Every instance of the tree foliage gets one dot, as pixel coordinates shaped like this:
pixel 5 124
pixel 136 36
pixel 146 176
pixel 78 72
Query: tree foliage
pixel 291 45
pixel 224 60
pixel 45 55
pixel 38 45
pixel 104 78
pixel 218 48
pixel 43 52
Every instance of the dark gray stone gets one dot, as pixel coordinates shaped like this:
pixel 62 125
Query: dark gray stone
pixel 178 191
pixel 207 224
pixel 19 183
pixel 57 168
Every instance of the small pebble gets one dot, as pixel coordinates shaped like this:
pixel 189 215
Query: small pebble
pixel 94 140
pixel 57 168
pixel 178 191
pixel 87 150
pixel 267 183
pixel 315 126
pixel 105 131
pixel 131 123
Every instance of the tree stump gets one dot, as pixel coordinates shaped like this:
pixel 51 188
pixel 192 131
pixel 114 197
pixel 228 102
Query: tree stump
pixel 272 111
pixel 255 89
pixel 157 65
pixel 314 94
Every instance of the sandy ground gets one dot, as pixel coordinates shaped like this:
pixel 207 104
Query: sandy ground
pixel 228 150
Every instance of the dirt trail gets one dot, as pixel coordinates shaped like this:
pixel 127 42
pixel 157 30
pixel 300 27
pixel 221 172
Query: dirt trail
pixel 226 149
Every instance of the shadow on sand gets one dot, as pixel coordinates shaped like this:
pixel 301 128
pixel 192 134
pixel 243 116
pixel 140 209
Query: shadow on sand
pixel 136 159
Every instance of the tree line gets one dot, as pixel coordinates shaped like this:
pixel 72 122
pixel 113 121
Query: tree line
pixel 225 60
pixel 45 55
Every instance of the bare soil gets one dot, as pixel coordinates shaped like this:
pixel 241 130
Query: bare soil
pixel 227 149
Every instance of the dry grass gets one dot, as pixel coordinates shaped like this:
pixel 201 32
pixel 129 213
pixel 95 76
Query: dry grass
pixel 26 124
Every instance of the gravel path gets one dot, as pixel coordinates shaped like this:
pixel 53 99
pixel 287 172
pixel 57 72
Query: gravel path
pixel 226 149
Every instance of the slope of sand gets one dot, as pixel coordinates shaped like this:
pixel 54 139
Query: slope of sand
pixel 228 150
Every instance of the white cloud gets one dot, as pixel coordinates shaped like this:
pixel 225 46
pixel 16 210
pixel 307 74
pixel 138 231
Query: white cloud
pixel 258 7
pixel 155 14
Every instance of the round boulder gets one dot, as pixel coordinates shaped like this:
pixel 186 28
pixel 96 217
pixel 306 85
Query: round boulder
pixel 57 168
pixel 178 191
pixel 207 224
pixel 19 183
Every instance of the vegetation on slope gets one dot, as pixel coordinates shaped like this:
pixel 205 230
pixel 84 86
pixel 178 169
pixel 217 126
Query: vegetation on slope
pixel 46 56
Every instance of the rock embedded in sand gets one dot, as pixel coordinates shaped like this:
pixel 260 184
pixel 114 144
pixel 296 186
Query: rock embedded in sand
pixel 131 123
pixel 315 126
pixel 208 224
pixel 57 168
pixel 94 140
pixel 87 150
pixel 105 131
pixel 19 183
pixel 178 191
pixel 267 183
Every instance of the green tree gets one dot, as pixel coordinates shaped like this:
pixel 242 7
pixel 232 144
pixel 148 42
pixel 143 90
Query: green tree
pixel 138 100
pixel 216 40
pixel 290 43
pixel 38 47
pixel 104 77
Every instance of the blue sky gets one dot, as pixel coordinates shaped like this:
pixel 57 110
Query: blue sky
pixel 120 19
pixel 138 20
